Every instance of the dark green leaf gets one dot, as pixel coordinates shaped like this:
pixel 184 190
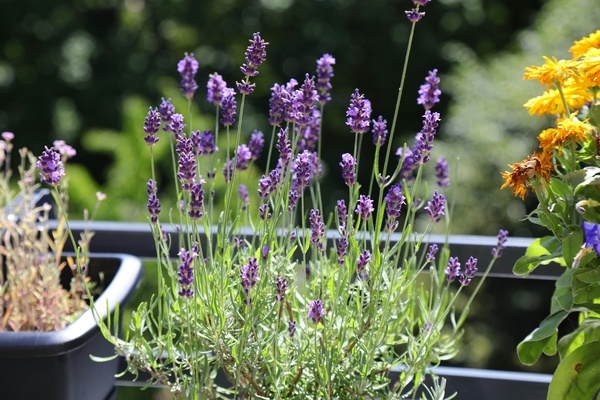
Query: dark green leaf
pixel 542 339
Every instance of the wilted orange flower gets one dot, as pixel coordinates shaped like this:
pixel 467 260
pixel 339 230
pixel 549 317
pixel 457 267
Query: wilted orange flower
pixel 580 47
pixel 567 129
pixel 535 166
pixel 552 71
pixel 550 103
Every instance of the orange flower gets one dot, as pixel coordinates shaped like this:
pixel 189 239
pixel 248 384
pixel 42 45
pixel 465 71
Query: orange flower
pixel 567 129
pixel 590 67
pixel 580 47
pixel 535 166
pixel 552 71
pixel 551 103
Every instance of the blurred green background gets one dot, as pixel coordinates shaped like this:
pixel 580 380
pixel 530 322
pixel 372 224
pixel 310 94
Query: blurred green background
pixel 86 71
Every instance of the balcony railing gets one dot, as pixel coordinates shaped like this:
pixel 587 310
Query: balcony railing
pixel 470 383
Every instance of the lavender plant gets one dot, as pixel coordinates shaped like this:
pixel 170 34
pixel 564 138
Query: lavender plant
pixel 281 299
pixel 32 297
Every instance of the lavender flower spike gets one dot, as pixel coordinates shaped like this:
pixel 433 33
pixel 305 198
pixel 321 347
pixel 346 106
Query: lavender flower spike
pixel 228 107
pixel 441 172
pixel 249 276
pixel 435 207
pixel 153 202
pixel 348 165
pixel 379 131
pixel 317 229
pixel 502 238
pixel 359 113
pixel 50 166
pixel 188 67
pixel 315 311
pixel 185 273
pixel 256 53
pixel 324 75
pixel 364 207
pixel 429 92
pixel 414 15
pixel 453 269
pixel 152 126
pixel 215 88
pixel 470 270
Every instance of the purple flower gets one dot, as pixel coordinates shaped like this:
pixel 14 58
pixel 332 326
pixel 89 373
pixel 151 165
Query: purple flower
pixel 470 270
pixel 166 110
pixel 429 92
pixel 317 229
pixel 361 262
pixel 256 53
pixel 407 159
pixel 228 168
pixel 342 213
pixel 452 269
pixel 379 131
pixel 291 328
pixel 50 166
pixel 592 235
pixel 303 171
pixel 281 285
pixel 176 126
pixel 430 256
pixel 364 207
pixel 424 139
pixel 196 201
pixel 204 142
pixel 309 134
pixel 502 238
pixel 264 212
pixel 414 15
pixel 153 202
pixel 394 200
pixel 324 75
pixel 342 250
pixel 292 199
pixel 152 126
pixel 280 103
pixel 64 149
pixel 435 207
pixel 284 146
pixel 249 277
pixel 315 311
pixel 228 107
pixel 244 196
pixel 185 273
pixel 188 67
pixel 359 113
pixel 348 165
pixel 441 172
pixel 215 88
pixel 8 136
pixel 265 252
pixel 256 144
pixel 303 102
pixel 243 157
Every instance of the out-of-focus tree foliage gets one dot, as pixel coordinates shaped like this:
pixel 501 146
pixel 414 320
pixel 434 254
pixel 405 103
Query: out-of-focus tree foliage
pixel 68 67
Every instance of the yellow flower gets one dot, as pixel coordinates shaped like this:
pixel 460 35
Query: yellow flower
pixel 535 166
pixel 551 103
pixel 590 67
pixel 567 129
pixel 580 47
pixel 553 71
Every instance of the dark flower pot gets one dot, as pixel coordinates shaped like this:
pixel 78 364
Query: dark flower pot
pixel 57 365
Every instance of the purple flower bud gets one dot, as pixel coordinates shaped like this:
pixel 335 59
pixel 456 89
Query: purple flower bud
pixel 228 107
pixel 215 88
pixel 342 213
pixel 414 15
pixel 264 212
pixel 166 110
pixel 315 311
pixel 256 144
pixel 284 147
pixel 424 139
pixel 394 200
pixel 265 252
pixel 152 126
pixel 249 277
pixel 291 328
pixel 342 250
pixel 50 166
pixel 324 75
pixel 292 200
pixel 303 171
pixel 188 67
pixel 348 165
pixel 453 269
pixel 364 207
pixel 196 201
pixel 359 113
pixel 303 102
pixel 228 168
pixel 441 172
pixel 429 92
pixel 185 273
pixel 363 259
pixel 244 196
pixel 64 149
pixel 243 157
pixel 281 285
pixel 317 229
pixel 502 238
pixel 176 126
pixel 470 270
pixel 435 207
pixel 379 131
pixel 153 202
pixel 256 53
pixel 430 256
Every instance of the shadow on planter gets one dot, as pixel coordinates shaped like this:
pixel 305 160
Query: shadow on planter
pixel 57 365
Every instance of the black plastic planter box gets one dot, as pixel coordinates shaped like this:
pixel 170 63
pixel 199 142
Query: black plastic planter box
pixel 57 365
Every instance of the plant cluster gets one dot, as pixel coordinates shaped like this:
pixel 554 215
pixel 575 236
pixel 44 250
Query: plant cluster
pixel 274 298
pixel 565 177
pixel 32 294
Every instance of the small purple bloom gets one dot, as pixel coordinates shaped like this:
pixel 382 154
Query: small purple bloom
pixel 185 273
pixel 441 172
pixel 342 213
pixel 64 149
pixel 196 201
pixel 256 144
pixel 359 113
pixel 430 256
pixel 315 311
pixel 317 229
pixel 348 165
pixel 424 139
pixel 470 270
pixel 363 259
pixel 394 200
pixel 292 200
pixel 303 101
pixel 50 166
pixel 592 235
pixel 452 269
pixel 435 207
pixel 152 126
pixel 215 88
pixel 407 159
pixel 324 75
pixel 303 171
pixel 379 131
pixel 342 250
pixel 414 15
pixel 264 212
pixel 280 103
pixel 204 142
pixel 265 252
pixel 310 133
pixel 249 277
pixel 502 238
pixel 281 285
pixel 256 53
pixel 245 87
pixel 176 126
pixel 284 146
pixel 244 196
pixel 243 157
pixel 153 202
pixel 429 92
pixel 188 67
pixel 228 168
pixel 228 107
pixel 166 110
pixel 364 207
pixel 291 328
